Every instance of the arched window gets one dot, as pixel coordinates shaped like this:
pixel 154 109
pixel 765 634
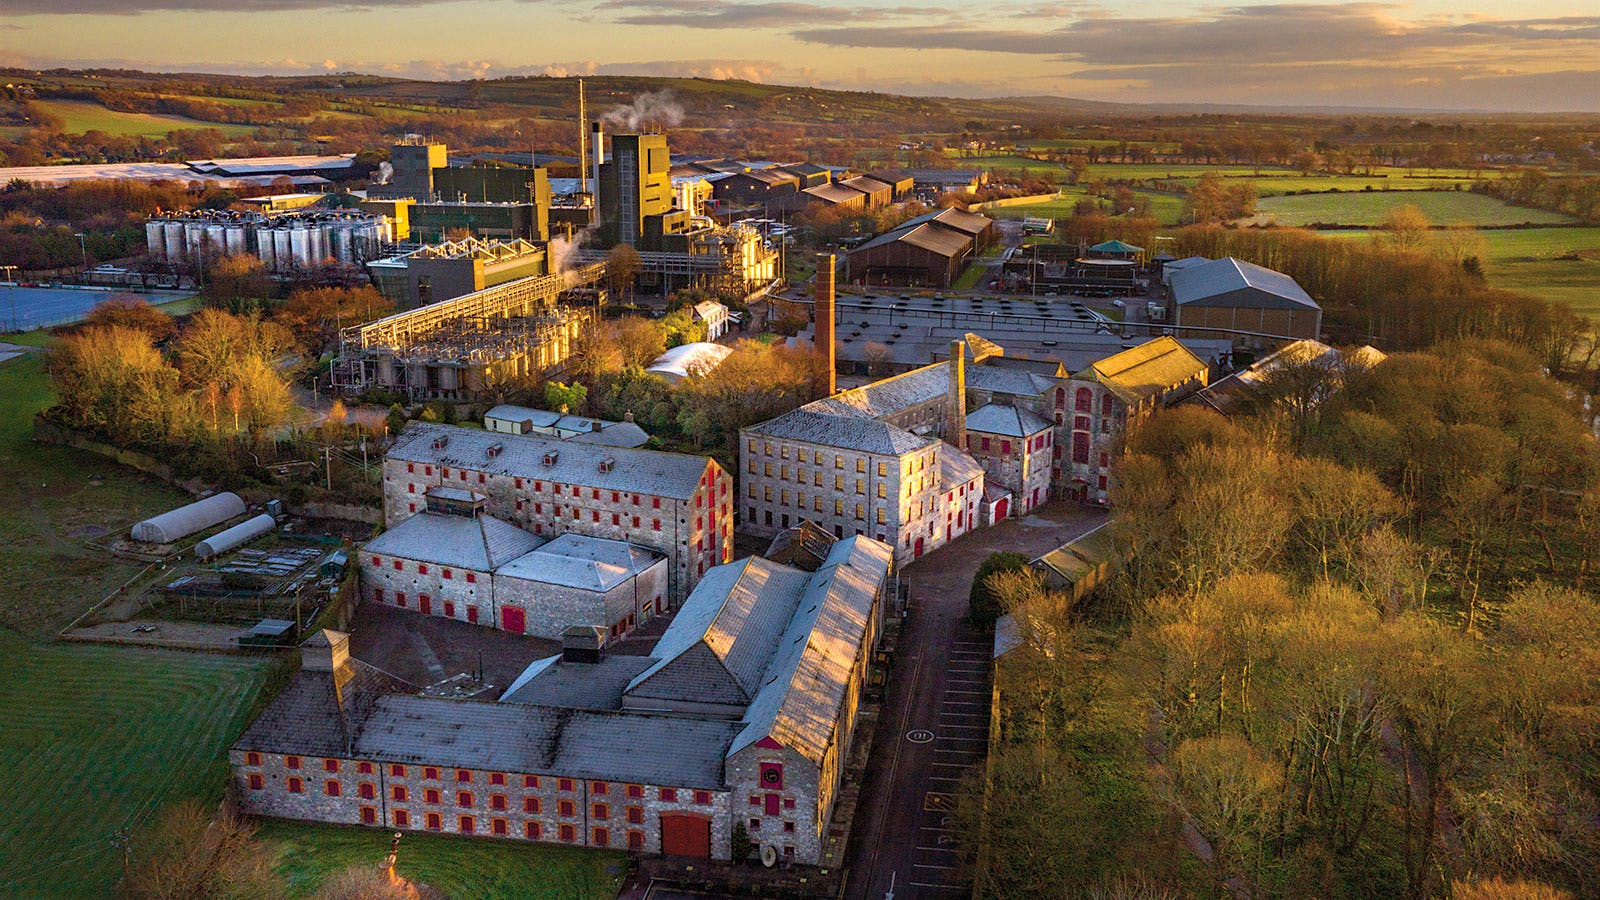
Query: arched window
pixel 1107 405
pixel 1061 399
pixel 1084 401
pixel 1080 447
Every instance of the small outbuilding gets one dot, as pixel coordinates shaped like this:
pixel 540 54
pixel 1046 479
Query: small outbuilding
pixel 179 523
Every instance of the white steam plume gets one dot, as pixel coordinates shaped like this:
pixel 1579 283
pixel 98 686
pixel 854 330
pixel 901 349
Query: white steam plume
pixel 652 108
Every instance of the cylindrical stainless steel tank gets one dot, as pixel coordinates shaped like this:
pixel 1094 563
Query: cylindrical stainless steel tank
pixel 283 257
pixel 155 240
pixel 174 239
pixel 237 237
pixel 300 245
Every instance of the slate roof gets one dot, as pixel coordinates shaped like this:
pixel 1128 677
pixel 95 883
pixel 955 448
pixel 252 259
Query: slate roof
pixel 957 467
pixel 888 396
pixel 554 682
pixel 482 543
pixel 614 434
pixel 1144 371
pixel 1234 282
pixel 673 475
pixel 522 738
pixel 722 639
pixel 947 232
pixel 803 693
pixel 1005 419
pixel 844 431
pixel 582 562
pixel 542 418
pixel 1012 382
pixel 305 718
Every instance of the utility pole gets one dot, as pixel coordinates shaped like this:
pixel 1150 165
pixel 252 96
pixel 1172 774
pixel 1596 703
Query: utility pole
pixel 327 459
pixel 83 249
pixel 13 295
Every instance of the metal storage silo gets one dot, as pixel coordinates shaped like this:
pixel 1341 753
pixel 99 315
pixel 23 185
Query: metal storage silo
pixel 449 377
pixel 283 257
pixel 214 239
pixel 300 245
pixel 174 239
pixel 264 249
pixel 155 240
pixel 194 236
pixel 341 243
pixel 318 233
pixel 237 237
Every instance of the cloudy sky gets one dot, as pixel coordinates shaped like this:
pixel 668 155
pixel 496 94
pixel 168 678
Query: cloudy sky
pixel 1534 55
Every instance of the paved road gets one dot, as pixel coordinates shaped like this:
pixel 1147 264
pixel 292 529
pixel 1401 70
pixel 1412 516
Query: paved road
pixel 935 720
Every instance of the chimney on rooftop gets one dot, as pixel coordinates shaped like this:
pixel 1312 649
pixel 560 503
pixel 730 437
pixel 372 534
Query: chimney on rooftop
pixel 955 431
pixel 325 651
pixel 822 323
pixel 597 149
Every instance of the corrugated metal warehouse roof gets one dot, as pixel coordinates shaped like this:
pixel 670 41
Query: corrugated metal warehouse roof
pixel 1234 282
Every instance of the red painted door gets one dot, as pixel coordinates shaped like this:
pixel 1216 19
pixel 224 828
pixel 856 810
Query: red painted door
pixel 772 804
pixel 513 620
pixel 1001 508
pixel 918 548
pixel 472 614
pixel 425 604
pixel 684 835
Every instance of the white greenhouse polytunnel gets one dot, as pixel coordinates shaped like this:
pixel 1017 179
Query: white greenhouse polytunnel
pixel 186 520
pixel 244 532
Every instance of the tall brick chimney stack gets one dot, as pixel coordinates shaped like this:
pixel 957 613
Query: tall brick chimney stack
pixel 822 324
pixel 955 431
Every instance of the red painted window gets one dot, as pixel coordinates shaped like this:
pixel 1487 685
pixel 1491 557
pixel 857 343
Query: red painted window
pixel 252 759
pixel 568 833
pixel 566 808
pixel 256 782
pixel 411 507
pixel 497 801
pixel 402 819
pixel 1005 447
pixel 635 790
pixel 292 762
pixel 599 787
pixel 411 488
pixel 397 771
pixel 772 776
pixel 599 811
pixel 565 784
pixel 431 795
pixel 669 795
pixel 435 823
pixel 367 790
pixel 398 566
pixel 422 568
pixel 431 772
pixel 364 768
pixel 427 470
pixel 463 776
pixel 602 837
pixel 497 778
pixel 330 765
pixel 530 781
pixel 411 467
pixel 500 826
pixel 755 824
pixel 702 797
pixel 464 798
pixel 755 799
pixel 539 486
pixel 635 521
pixel 399 599
pixel 1080 447
pixel 333 788
pixel 531 804
pixel 447 575
pixel 471 578
pixel 1083 400
pixel 449 610
pixel 616 519
pixel 655 502
pixel 519 484
pixel 481 479
pixel 635 840
pixel 533 830
pixel 788 803
pixel 377 560
pixel 369 815
pixel 398 793
pixel 296 786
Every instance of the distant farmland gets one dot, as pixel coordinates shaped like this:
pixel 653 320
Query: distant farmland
pixel 78 117
pixel 1370 208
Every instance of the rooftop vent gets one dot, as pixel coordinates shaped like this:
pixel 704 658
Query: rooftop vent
pixel 440 441
pixel 608 464
pixel 550 457
pixel 494 450
pixel 582 644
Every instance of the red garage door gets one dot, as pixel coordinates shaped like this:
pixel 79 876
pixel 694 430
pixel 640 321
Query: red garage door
pixel 512 619
pixel 684 835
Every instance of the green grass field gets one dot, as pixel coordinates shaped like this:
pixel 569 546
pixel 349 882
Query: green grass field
pixel 1561 265
pixel 1442 207
pixel 93 741
pixel 79 116
pixel 460 867
pixel 1166 208
pixel 52 499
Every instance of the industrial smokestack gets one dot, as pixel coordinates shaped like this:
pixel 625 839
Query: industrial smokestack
pixel 822 323
pixel 599 154
pixel 955 431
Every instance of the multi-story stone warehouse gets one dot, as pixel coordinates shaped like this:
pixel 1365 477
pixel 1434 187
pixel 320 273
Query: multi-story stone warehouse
pixel 673 503
pixel 868 461
pixel 455 561
pixel 743 713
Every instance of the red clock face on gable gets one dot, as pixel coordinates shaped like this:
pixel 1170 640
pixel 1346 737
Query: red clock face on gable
pixel 772 776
